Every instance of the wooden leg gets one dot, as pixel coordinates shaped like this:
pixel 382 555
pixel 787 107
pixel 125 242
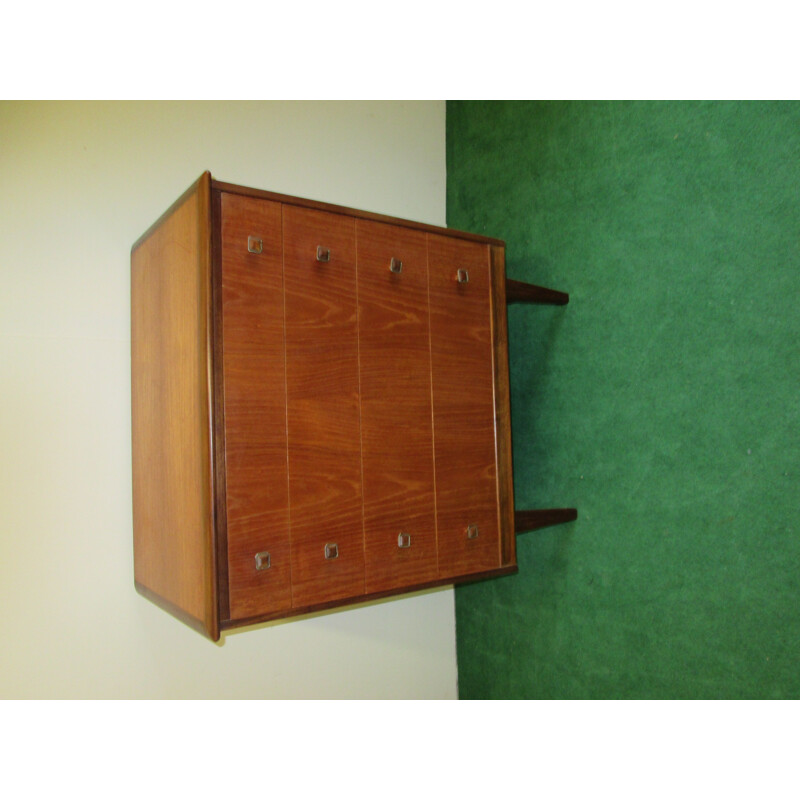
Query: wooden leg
pixel 519 292
pixel 525 521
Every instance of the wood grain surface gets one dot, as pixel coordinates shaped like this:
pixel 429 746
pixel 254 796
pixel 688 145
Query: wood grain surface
pixel 352 213
pixel 342 602
pixel 396 425
pixel 173 528
pixel 502 408
pixel 255 407
pixel 324 439
pixel 284 403
pixel 463 406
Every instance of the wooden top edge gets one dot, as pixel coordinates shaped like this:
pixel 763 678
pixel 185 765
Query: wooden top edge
pixel 206 176
pixel 354 212
pixel 177 612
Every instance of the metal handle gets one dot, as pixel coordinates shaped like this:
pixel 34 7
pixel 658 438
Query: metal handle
pixel 262 561
pixel 254 245
pixel 396 266
pixel 323 253
pixel 331 550
pixel 472 531
pixel 462 276
pixel 404 539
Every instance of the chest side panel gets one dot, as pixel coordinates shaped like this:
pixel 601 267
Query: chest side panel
pixel 172 507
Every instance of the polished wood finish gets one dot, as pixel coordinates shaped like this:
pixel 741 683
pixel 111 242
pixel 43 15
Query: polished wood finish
pixel 173 516
pixel 254 373
pixel 463 406
pixel 354 213
pixel 519 292
pixel 220 499
pixel 369 597
pixel 502 408
pixel 293 393
pixel 325 495
pixel 396 423
pixel 525 521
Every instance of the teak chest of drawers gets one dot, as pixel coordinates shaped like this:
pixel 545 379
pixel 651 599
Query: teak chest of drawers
pixel 320 407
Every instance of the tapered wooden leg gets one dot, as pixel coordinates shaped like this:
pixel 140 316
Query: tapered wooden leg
pixel 519 292
pixel 525 521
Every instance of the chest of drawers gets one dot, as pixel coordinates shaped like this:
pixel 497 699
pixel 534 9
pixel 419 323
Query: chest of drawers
pixel 320 407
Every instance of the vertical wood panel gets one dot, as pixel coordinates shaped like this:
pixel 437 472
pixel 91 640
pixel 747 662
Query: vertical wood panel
pixel 174 562
pixel 463 406
pixel 323 406
pixel 255 407
pixel 502 408
pixel 397 435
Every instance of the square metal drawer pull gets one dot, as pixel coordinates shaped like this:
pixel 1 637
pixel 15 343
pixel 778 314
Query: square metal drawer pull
pixel 254 245
pixel 323 253
pixel 462 276
pixel 472 531
pixel 404 539
pixel 262 560
pixel 396 266
pixel 332 551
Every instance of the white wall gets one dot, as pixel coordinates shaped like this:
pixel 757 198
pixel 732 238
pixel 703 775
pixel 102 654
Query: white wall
pixel 80 182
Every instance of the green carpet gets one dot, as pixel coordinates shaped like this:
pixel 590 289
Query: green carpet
pixel 663 402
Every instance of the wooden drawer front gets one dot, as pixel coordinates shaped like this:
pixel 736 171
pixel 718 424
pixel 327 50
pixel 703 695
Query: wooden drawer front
pixel 323 406
pixel 255 407
pixel 396 427
pixel 463 407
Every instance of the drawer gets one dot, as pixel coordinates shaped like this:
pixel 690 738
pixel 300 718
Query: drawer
pixel 253 364
pixel 322 413
pixel 463 406
pixel 396 425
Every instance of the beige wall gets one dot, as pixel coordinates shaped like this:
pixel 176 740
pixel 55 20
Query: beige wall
pixel 80 182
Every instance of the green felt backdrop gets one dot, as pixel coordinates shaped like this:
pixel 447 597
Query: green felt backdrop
pixel 663 401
